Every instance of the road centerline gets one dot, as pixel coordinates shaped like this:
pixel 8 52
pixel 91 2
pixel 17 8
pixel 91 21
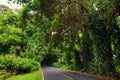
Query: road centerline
pixel 65 76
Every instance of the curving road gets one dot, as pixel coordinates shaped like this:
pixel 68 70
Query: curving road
pixel 51 73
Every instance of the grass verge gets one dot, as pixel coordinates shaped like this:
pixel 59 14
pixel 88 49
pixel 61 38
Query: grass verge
pixel 37 75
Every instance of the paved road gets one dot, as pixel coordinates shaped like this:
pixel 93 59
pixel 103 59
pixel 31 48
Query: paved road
pixel 51 73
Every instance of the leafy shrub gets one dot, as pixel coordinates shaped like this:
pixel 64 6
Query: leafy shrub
pixel 59 63
pixel 28 65
pixel 18 64
pixel 1 62
pixel 118 69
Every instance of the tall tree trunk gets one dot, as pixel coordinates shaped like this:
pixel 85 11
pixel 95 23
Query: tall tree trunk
pixel 86 51
pixel 104 53
pixel 78 62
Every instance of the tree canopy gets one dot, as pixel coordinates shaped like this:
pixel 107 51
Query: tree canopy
pixel 74 34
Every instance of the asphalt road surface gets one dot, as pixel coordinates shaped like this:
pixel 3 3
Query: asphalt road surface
pixel 52 73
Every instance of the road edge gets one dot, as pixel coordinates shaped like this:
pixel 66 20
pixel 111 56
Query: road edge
pixel 42 75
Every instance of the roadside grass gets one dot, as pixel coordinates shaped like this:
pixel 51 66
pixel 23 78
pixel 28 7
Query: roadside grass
pixel 37 75
pixel 1 77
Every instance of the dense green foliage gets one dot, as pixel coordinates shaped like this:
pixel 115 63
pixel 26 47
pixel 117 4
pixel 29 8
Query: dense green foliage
pixel 17 64
pixel 14 57
pixel 73 34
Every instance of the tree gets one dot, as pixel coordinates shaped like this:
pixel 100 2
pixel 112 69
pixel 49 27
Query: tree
pixel 62 21
pixel 101 31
